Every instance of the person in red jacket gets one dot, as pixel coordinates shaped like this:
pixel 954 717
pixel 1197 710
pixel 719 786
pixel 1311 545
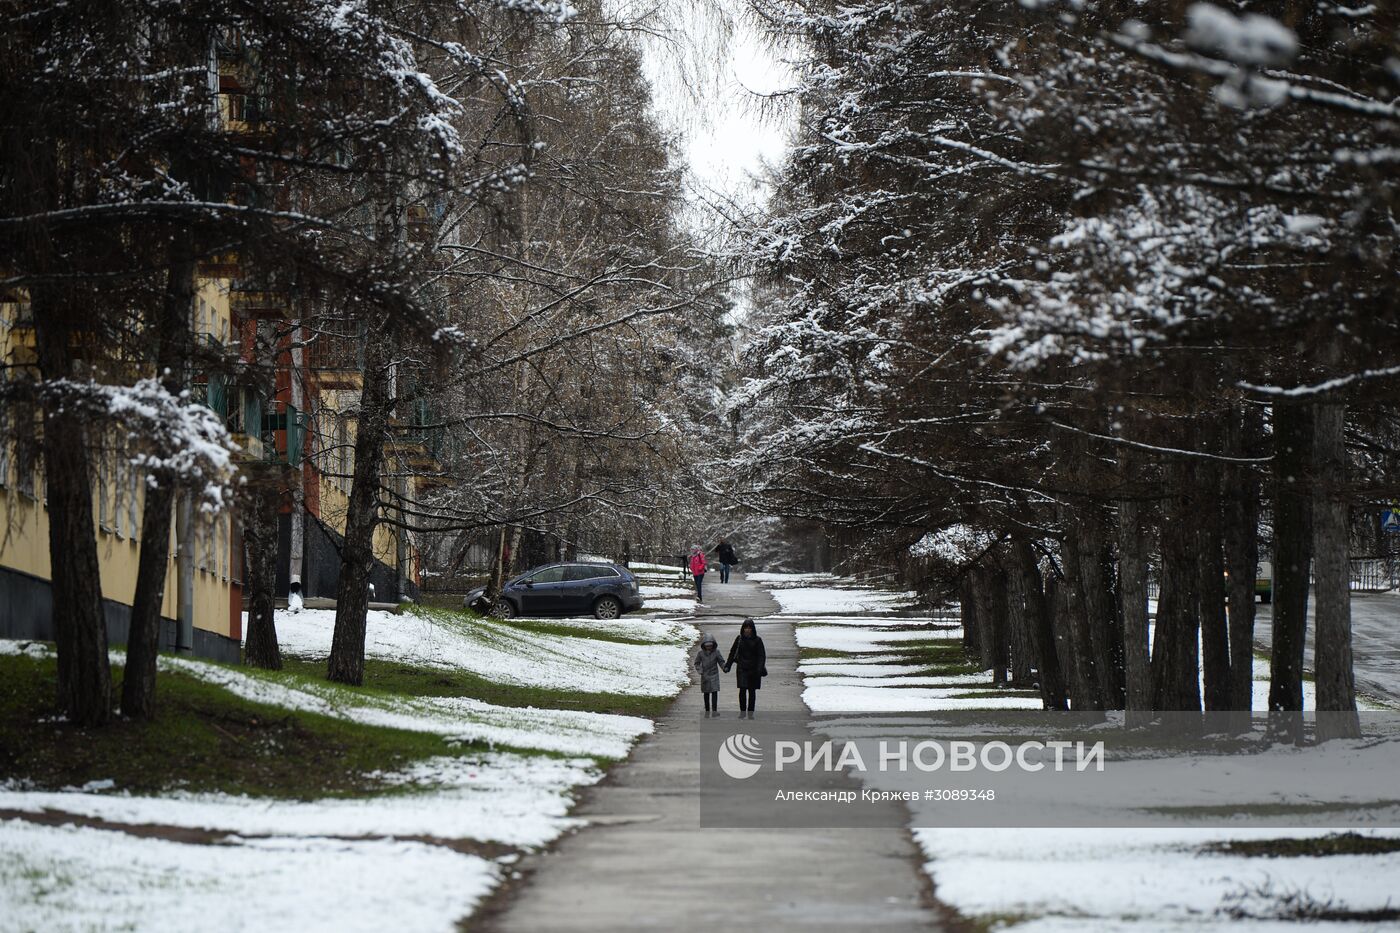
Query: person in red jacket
pixel 697 570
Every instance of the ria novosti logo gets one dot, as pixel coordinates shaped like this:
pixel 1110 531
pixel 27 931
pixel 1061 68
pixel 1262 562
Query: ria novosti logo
pixel 740 756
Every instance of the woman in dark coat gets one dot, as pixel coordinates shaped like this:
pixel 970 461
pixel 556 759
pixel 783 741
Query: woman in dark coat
pixel 748 652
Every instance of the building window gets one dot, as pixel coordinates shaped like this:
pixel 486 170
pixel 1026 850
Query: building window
pixel 133 507
pixel 25 462
pixel 104 482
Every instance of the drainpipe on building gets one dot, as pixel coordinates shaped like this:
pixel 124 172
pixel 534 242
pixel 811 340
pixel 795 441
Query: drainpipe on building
pixel 184 566
pixel 298 518
pixel 405 577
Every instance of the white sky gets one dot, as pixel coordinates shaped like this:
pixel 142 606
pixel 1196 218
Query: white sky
pixel 726 132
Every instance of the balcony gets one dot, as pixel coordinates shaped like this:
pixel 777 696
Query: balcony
pixel 284 436
pixel 420 441
pixel 336 354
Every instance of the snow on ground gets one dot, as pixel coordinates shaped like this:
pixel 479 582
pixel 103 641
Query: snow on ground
pixel 569 732
pixel 1142 879
pixel 1075 879
pixel 517 800
pixel 809 600
pixel 101 880
pixel 866 682
pixel 510 653
pixel 857 640
pixel 348 864
pixel 774 581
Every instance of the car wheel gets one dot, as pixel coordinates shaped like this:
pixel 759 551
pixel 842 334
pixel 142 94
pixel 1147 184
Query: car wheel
pixel 607 607
pixel 503 609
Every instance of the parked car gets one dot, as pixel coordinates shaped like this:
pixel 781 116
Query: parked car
pixel 1263 582
pixel 605 590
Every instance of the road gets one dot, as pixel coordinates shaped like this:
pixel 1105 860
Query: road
pixel 1375 642
pixel 645 863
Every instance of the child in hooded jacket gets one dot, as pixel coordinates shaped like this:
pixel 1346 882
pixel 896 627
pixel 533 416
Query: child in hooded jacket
pixel 708 661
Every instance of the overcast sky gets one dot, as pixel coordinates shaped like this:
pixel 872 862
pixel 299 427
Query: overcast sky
pixel 727 134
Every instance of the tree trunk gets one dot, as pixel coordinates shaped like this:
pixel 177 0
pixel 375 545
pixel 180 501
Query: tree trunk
pixel 260 568
pixel 1175 656
pixel 1336 685
pixel 1132 595
pixel 990 591
pixel 1210 589
pixel 1086 687
pixel 1292 556
pixel 1040 626
pixel 173 345
pixel 1100 618
pixel 84 674
pixel 1241 517
pixel 347 660
pixel 1023 654
pixel 967 610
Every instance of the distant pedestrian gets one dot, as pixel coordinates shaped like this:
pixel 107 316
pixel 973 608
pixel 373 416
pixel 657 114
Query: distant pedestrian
pixel 697 570
pixel 751 657
pixel 709 662
pixel 725 552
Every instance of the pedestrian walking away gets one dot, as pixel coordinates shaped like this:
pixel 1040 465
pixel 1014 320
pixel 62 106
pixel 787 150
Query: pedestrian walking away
pixel 697 570
pixel 709 662
pixel 727 559
pixel 749 654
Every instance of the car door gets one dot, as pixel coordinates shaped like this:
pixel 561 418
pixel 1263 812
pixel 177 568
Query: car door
pixel 576 594
pixel 542 593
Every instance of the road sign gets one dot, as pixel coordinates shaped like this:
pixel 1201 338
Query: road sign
pixel 1390 520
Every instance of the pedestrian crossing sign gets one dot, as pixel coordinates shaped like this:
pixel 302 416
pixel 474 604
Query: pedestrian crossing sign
pixel 1390 520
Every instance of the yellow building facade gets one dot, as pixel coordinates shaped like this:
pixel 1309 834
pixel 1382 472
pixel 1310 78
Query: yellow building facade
pixel 214 551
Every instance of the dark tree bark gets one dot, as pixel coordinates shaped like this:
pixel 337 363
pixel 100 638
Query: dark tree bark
pixel 1018 624
pixel 1175 656
pixel 1336 684
pixel 1132 597
pixel 967 611
pixel 1040 626
pixel 260 568
pixel 1292 557
pixel 171 332
pixel 1101 619
pixel 1241 517
pixel 347 660
pixel 1210 563
pixel 84 674
pixel 1086 687
pixel 989 589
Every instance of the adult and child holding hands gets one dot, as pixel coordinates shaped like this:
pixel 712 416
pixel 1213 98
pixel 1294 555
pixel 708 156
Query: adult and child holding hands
pixel 747 654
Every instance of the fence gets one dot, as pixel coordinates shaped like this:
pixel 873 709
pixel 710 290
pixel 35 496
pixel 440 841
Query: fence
pixel 1368 575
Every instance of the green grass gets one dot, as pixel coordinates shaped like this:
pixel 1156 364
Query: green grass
pixel 389 678
pixel 986 923
pixel 824 654
pixel 938 657
pixel 1315 847
pixel 202 739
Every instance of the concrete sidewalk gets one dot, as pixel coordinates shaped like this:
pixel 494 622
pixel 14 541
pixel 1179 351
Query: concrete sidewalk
pixel 1375 641
pixel 645 863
